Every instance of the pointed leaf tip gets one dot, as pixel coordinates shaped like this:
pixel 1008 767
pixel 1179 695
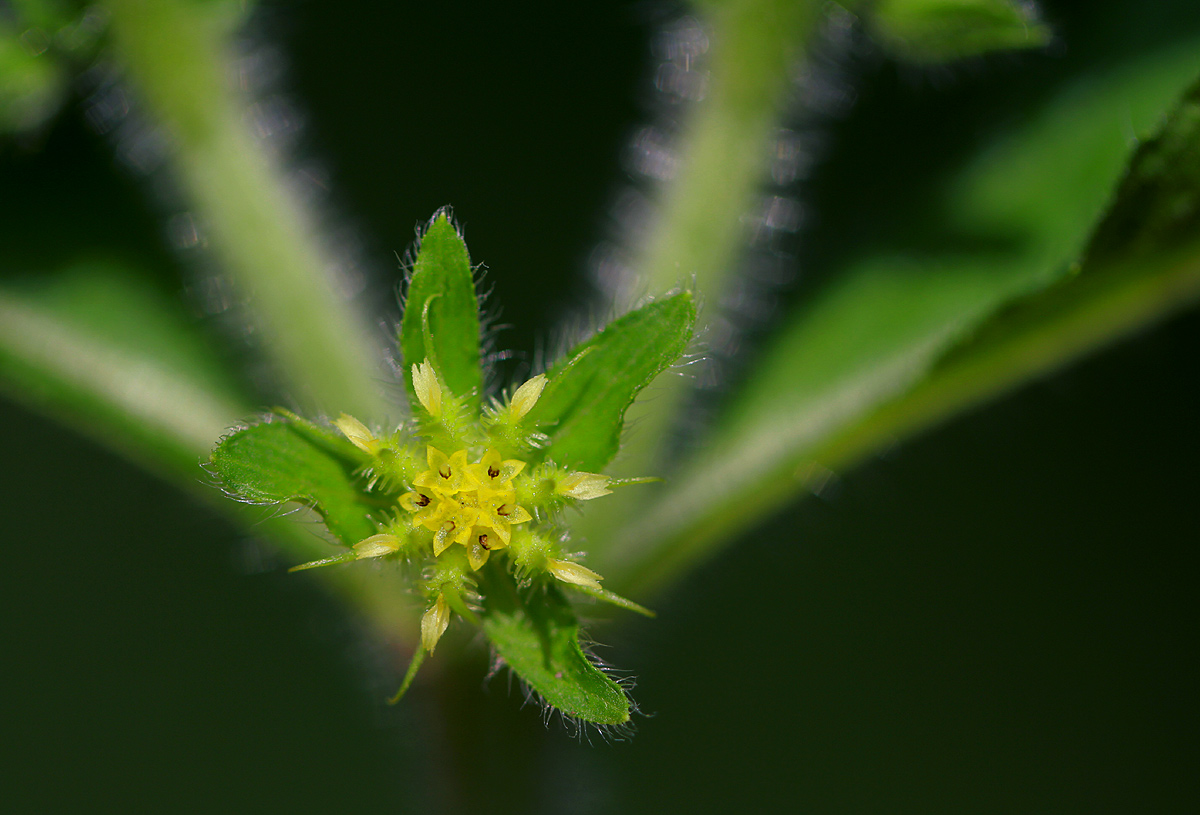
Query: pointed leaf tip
pixel 441 289
pixel 582 408
pixel 537 635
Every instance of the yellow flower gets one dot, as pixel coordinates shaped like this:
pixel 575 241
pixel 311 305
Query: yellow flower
pixel 493 474
pixel 446 473
pixel 474 505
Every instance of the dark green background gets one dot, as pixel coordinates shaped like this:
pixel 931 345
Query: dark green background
pixel 999 616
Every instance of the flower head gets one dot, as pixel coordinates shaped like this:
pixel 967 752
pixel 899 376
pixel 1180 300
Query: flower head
pixel 469 493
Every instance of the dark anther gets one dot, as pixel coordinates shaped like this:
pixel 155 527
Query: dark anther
pixel 493 472
pixel 444 473
pixel 483 541
pixel 503 510
pixel 422 499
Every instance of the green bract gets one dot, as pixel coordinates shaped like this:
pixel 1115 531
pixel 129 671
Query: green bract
pixel 468 492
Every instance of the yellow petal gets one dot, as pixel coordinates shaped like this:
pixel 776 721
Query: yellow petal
pixel 445 473
pixel 491 538
pixel 516 514
pixel 442 539
pixel 435 457
pixel 476 554
pixel 434 623
pixel 498 534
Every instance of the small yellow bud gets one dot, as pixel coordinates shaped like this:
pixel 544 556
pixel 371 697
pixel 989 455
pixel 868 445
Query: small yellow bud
pixel 570 572
pixel 526 397
pixel 357 433
pixel 428 388
pixel 434 623
pixel 377 546
pixel 584 486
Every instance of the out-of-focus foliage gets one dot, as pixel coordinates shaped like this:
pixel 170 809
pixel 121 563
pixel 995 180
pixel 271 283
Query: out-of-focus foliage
pixel 1022 249
pixel 932 31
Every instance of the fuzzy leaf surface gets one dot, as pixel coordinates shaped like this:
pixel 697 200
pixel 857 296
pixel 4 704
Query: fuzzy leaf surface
pixel 583 406
pixel 294 460
pixel 932 31
pixel 442 281
pixel 537 634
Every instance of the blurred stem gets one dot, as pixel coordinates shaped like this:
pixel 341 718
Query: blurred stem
pixel 699 229
pixel 740 480
pixel 160 416
pixel 175 55
pixel 724 152
pixel 168 423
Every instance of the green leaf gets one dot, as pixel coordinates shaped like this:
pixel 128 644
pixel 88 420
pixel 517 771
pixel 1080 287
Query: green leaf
pixel 32 83
pixel 441 305
pixel 95 344
pixel 289 459
pixel 536 633
pixel 1142 262
pixel 869 359
pixel 1157 208
pixel 932 31
pixel 583 406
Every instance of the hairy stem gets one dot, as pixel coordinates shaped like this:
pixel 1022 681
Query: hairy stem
pixel 175 55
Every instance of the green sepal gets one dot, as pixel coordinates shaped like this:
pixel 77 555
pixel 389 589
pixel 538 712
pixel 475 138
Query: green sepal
pixel 536 633
pixel 418 658
pixel 615 599
pixel 290 459
pixel 933 31
pixel 441 313
pixel 583 407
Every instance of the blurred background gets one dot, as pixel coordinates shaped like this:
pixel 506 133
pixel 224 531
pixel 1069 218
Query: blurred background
pixel 992 617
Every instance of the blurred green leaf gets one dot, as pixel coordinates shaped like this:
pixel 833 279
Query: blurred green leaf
pixel 94 344
pixel 442 290
pixel 931 31
pixel 833 388
pixel 1157 207
pixel 583 406
pixel 290 459
pixel 1142 261
pixel 32 83
pixel 539 639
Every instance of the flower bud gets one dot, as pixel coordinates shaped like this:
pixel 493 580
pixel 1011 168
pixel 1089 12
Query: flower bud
pixel 570 572
pixel 526 397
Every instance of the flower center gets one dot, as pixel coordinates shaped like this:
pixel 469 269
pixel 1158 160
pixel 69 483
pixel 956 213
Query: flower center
pixel 469 503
